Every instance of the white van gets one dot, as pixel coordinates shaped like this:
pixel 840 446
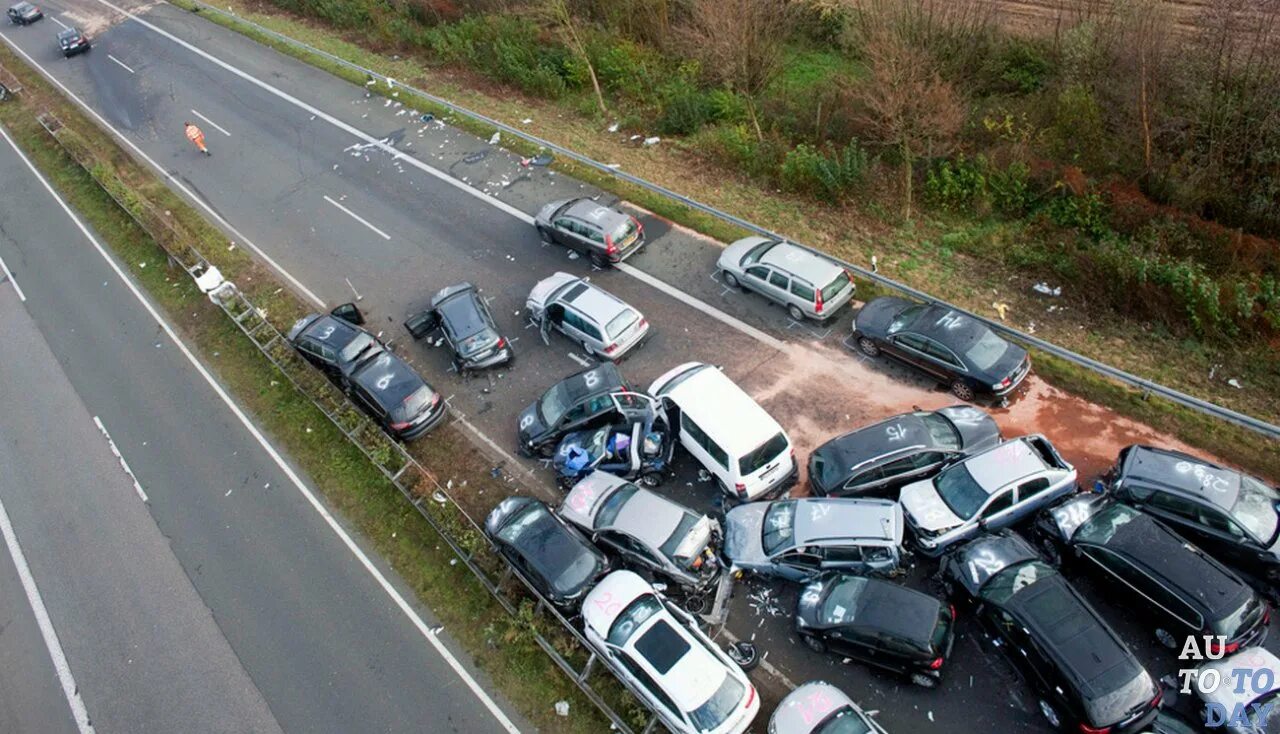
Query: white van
pixel 742 446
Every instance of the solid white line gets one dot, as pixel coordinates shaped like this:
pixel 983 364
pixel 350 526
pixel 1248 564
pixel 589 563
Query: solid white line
pixel 306 492
pixel 123 464
pixel 172 178
pixel 65 27
pixel 358 218
pixel 122 64
pixel 702 306
pixel 21 296
pixel 60 665
pixel 216 126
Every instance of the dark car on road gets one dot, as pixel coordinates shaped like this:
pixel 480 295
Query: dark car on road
pixel 550 555
pixel 24 14
pixel 333 344
pixel 588 399
pixel 604 234
pixel 1086 679
pixel 73 41
pixel 1184 590
pixel 467 325
pixel 396 396
pixel 879 623
pixel 954 348
pixel 1230 515
pixel 877 460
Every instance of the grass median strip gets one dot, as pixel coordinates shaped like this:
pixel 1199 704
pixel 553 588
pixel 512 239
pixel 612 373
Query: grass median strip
pixel 500 644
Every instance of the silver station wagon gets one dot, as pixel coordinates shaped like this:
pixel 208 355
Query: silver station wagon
pixel 807 285
pixel 605 326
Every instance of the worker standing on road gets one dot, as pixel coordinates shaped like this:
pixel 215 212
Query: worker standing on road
pixel 196 136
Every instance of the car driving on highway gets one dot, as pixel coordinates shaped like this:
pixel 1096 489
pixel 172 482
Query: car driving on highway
pixel 333 344
pixel 24 14
pixel 987 491
pixel 462 316
pixel 604 234
pixel 604 325
pixel 877 460
pixel 587 399
pixel 550 555
pixel 806 284
pixel 953 348
pixel 73 41
pixel 821 708
pixel 658 651
pixel 396 396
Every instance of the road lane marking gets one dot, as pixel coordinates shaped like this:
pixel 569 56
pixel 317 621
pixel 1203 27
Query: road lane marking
pixel 65 27
pixel 405 607
pixel 579 360
pixel 359 219
pixel 9 276
pixel 169 176
pixel 216 126
pixel 60 665
pixel 123 464
pixel 124 65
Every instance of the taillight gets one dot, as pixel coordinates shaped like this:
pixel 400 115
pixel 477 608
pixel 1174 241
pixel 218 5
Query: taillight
pixel 952 607
pixel 400 426
pixel 435 400
pixel 609 349
pixel 609 247
pixel 1006 382
pixel 937 663
pixel 751 696
pixel 1266 615
pixel 644 323
pixel 697 563
pixel 502 343
pixel 1086 729
pixel 742 490
pixel 817 301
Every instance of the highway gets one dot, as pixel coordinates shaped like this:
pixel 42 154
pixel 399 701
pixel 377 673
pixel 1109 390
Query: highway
pixel 200 590
pixel 339 190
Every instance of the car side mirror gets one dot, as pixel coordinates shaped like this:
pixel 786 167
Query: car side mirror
pixel 421 324
pixel 350 313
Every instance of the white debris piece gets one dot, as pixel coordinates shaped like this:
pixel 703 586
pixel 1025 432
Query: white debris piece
pixel 1235 383
pixel 1044 289
pixel 496 137
pixel 526 121
pixel 613 128
pixel 650 142
pixel 562 708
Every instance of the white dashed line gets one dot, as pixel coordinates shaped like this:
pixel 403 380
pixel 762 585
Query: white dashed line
pixel 9 276
pixel 121 64
pixel 216 126
pixel 357 217
pixel 65 27
pixel 123 464
pixel 579 360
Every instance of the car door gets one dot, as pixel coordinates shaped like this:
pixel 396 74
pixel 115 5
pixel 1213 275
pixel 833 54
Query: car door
pixel 867 482
pixel 565 231
pixel 779 286
pixel 1139 583
pixel 999 510
pixel 367 401
pixel 756 278
pixel 909 468
pixel 944 363
pixel 1227 533
pixel 843 558
pixel 799 564
pixel 855 644
pixel 1032 495
pixel 910 348
pixel 1184 515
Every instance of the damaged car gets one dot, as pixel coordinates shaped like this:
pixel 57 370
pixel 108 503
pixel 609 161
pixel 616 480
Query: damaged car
pixel 603 234
pixel 467 326
pixel 605 326
pixel 579 402
pixel 551 556
pixel 821 708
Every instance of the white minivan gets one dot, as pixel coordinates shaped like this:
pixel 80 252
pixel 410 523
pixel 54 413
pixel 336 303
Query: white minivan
pixel 727 431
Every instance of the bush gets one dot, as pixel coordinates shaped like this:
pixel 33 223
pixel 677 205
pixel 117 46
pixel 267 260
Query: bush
pixel 1010 189
pixel 956 185
pixel 1020 66
pixel 1077 134
pixel 1088 214
pixel 508 50
pixel 737 146
pixel 828 175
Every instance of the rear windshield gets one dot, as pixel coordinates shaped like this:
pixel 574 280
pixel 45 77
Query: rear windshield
pixel 779 529
pixel 632 618
pixel 944 434
pixel 713 713
pixel 353 349
pixel 957 487
pixel 621 322
pixel 987 351
pixel 843 721
pixel 624 230
pixel 1255 508
pixel 835 287
pixel 762 454
pixel 939 639
pixel 1100 528
pixel 413 405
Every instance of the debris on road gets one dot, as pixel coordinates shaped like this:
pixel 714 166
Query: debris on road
pixel 1001 308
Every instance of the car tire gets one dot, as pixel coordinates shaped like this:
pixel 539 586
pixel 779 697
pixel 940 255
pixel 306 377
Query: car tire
pixel 868 347
pixel 545 236
pixel 924 681
pixel 730 279
pixel 600 261
pixel 1050 714
pixel 962 390
pixel 588 352
pixel 795 313
pixel 1166 638
pixel 813 643
pixel 651 479
pixel 745 654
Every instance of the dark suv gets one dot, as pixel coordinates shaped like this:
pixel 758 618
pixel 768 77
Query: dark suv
pixel 878 623
pixel 1230 515
pixel 335 344
pixel 467 325
pixel 1084 675
pixel 578 402
pixel 550 555
pixel 603 234
pixel 24 14
pixel 1185 591
pixel 396 396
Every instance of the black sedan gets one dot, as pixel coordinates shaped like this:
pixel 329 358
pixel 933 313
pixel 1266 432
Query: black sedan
pixel 554 558
pixel 1183 590
pixel 954 348
pixel 334 344
pixel 73 41
pixel 396 396
pixel 880 458
pixel 1086 679
pixel 578 402
pixel 879 623
pixel 24 14
pixel 467 326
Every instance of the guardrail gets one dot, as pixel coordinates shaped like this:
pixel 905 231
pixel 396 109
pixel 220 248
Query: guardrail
pixel 1148 387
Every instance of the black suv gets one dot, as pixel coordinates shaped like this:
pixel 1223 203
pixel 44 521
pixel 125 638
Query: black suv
pixel 1230 515
pixel 580 401
pixel 551 556
pixel 876 460
pixel 73 41
pixel 396 396
pixel 878 623
pixel 24 14
pixel 1084 675
pixel 334 343
pixel 1185 591
pixel 467 325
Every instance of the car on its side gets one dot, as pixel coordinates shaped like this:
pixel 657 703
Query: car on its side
pixel 24 14
pixel 1184 590
pixel 333 344
pixel 1233 516
pixel 807 285
pixel 73 41
pixel 604 325
pixel 658 651
pixel 821 708
pixel 1085 678
pixel 877 622
pixel 952 347
pixel 586 399
pixel 797 539
pixel 651 534
pixel 877 460
pixel 987 491
pixel 396 396
pixel 1246 699
pixel 604 234
pixel 463 318
pixel 551 556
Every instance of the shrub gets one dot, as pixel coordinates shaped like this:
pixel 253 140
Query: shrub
pixel 829 175
pixel 956 185
pixel 1020 66
pixel 737 146
pixel 1010 189
pixel 1087 214
pixel 1077 133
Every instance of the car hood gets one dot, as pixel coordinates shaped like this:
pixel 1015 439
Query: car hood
pixel 531 424
pixel 731 256
pixel 742 536
pixel 926 510
pixel 875 316
pixel 978 430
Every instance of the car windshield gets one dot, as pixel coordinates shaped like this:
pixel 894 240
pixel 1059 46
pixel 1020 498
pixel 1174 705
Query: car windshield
pixel 841 603
pixel 535 525
pixel 723 702
pixel 944 434
pixel 621 323
pixel 986 351
pixel 834 288
pixel 905 318
pixel 843 721
pixel 636 614
pixel 614 504
pixel 779 530
pixel 413 405
pixel 761 455
pixel 554 404
pixel 1103 526
pixel 1255 508
pixel 757 252
pixel 357 345
pixel 957 487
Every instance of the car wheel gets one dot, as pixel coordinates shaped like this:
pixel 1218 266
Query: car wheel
pixel 924 681
pixel 1166 638
pixel 962 390
pixel 600 261
pixel 730 279
pixel 795 313
pixel 545 236
pixel 695 604
pixel 745 654
pixel 1050 714
pixel 651 479
pixel 813 643
pixel 588 351
pixel 868 347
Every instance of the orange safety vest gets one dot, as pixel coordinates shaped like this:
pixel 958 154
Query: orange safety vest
pixel 194 134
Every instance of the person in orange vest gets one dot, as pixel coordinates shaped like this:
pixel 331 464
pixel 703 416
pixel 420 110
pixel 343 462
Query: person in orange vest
pixel 196 136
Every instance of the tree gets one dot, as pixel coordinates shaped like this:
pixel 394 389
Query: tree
pixel 564 21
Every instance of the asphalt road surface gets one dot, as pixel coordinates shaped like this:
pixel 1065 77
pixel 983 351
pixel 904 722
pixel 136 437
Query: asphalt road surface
pixel 340 190
pixel 211 596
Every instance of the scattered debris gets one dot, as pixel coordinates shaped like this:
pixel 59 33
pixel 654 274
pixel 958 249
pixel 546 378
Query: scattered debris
pixel 493 140
pixel 1235 383
pixel 526 121
pixel 650 142
pixel 562 708
pixel 874 267
pixel 427 117
pixel 439 496
pixel 1001 308
pixel 1044 289
pixel 613 128
pixel 764 602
